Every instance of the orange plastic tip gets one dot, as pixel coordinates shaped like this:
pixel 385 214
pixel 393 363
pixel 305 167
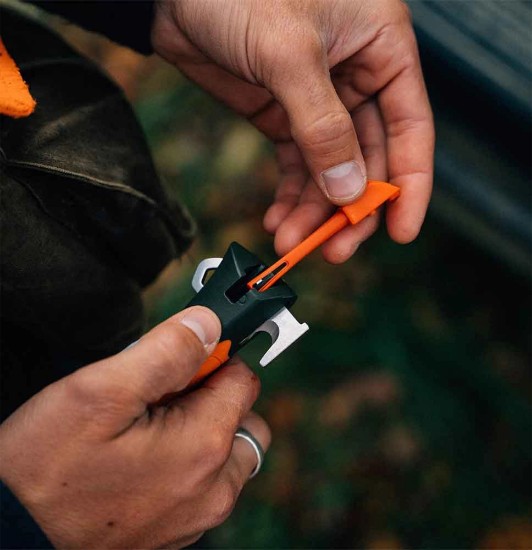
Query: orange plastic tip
pixel 15 98
pixel 376 194
pixel 215 360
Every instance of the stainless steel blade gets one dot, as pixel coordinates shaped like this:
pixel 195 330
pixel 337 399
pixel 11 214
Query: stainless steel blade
pixel 284 330
pixel 201 271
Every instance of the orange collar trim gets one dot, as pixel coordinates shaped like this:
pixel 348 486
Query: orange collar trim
pixel 15 98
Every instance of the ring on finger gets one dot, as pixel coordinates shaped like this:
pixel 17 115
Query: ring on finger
pixel 248 436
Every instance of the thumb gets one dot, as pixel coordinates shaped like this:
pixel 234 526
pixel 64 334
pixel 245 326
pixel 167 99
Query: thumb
pixel 323 130
pixel 162 362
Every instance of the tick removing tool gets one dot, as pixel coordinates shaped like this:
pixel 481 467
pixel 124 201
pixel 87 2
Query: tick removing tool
pixel 249 297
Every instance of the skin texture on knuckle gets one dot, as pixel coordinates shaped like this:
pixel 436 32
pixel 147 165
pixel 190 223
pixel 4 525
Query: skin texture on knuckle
pixel 242 389
pixel 311 45
pixel 404 12
pixel 91 393
pixel 331 133
pixel 394 28
pixel 215 448
pixel 187 15
pixel 256 386
pixel 218 30
pixel 410 57
pixel 396 11
pixel 402 127
pixel 223 402
pixel 98 400
pixel 285 51
pixel 250 383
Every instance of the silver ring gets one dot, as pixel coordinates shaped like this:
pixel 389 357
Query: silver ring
pixel 246 435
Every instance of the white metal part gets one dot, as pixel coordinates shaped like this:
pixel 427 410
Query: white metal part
pixel 205 265
pixel 284 329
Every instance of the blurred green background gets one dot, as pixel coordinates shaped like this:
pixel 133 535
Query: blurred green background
pixel 402 419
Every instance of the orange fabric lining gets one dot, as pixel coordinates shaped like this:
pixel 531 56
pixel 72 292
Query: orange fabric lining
pixel 15 97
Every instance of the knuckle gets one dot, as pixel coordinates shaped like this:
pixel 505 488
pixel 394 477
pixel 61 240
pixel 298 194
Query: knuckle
pixel 84 386
pixel 313 45
pixel 398 33
pixel 244 390
pixel 301 39
pixel 404 13
pixel 398 11
pixel 253 387
pixel 409 59
pixel 256 386
pixel 305 46
pixel 328 132
pixel 217 448
pixel 94 394
pixel 372 150
pixel 175 343
pixel 404 126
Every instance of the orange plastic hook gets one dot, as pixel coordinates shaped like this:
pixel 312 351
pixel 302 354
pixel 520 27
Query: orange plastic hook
pixel 376 194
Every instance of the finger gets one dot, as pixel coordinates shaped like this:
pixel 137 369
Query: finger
pixel 224 488
pixel 320 125
pixel 254 102
pixel 219 405
pixel 289 158
pixel 243 459
pixel 294 175
pixel 313 209
pixel 348 94
pixel 339 248
pixel 162 362
pixel 410 137
pixel 291 187
pixel 225 86
pixel 372 138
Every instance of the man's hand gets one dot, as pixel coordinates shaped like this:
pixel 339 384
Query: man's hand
pixel 100 461
pixel 331 83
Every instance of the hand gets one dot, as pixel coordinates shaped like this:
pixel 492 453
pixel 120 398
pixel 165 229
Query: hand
pixel 331 83
pixel 99 463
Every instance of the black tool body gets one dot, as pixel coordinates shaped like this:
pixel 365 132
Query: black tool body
pixel 241 310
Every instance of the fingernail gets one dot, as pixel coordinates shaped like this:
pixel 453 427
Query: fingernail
pixel 204 324
pixel 344 181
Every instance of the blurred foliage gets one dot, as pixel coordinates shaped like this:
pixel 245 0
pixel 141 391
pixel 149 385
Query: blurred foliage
pixel 402 419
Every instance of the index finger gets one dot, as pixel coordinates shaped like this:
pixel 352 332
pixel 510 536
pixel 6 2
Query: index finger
pixel 408 122
pixel 223 399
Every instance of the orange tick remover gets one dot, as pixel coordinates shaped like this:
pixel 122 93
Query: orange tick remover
pixel 250 297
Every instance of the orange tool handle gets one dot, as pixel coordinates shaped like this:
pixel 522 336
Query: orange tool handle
pixel 376 194
pixel 215 360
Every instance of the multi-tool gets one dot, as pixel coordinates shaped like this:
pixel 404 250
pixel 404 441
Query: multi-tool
pixel 249 297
